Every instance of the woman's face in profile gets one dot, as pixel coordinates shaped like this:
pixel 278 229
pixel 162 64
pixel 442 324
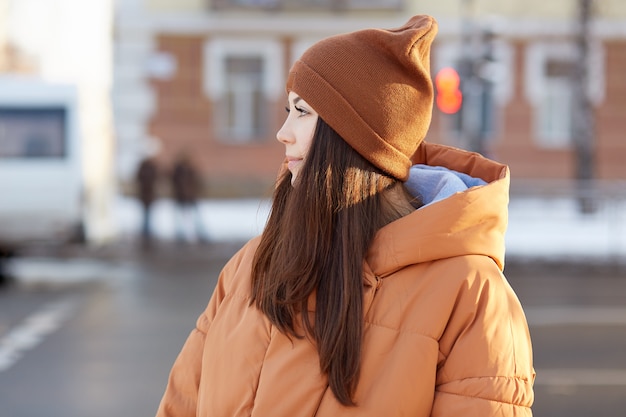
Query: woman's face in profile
pixel 297 132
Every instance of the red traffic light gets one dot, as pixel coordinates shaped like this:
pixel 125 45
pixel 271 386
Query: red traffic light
pixel 449 96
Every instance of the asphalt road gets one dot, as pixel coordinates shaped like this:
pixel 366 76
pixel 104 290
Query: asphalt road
pixel 94 332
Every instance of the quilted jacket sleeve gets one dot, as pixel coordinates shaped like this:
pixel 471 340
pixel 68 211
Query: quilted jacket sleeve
pixel 485 367
pixel 181 394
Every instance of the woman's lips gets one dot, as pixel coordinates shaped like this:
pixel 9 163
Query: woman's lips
pixel 293 163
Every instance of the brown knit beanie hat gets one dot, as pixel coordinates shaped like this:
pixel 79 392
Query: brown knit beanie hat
pixel 373 87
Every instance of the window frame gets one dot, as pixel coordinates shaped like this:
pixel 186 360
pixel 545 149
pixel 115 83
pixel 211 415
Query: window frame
pixel 540 87
pixel 216 53
pixel 47 122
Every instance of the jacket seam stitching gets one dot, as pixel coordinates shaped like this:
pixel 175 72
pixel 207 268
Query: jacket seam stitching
pixel 400 330
pixel 485 398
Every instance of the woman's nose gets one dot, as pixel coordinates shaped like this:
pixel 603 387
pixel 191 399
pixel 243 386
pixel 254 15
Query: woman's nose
pixel 283 135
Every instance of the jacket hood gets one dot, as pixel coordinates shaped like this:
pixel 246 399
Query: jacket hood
pixel 466 212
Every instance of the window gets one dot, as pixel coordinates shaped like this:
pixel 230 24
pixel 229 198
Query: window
pixel 32 132
pixel 554 110
pixel 240 110
pixel 549 70
pixel 242 78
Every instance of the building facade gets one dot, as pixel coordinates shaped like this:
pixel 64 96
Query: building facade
pixel 206 79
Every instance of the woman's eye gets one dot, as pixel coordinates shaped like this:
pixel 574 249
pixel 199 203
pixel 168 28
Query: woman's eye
pixel 287 109
pixel 300 110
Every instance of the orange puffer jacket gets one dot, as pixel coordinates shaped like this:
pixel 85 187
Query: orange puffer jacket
pixel 445 335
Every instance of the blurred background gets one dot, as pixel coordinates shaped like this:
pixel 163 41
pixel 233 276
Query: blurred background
pixel 137 151
pixel 90 89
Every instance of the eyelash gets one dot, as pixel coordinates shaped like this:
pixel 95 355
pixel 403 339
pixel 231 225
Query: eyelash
pixel 298 109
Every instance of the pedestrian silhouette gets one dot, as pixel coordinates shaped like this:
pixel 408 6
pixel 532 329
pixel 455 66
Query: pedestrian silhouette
pixel 186 191
pixel 147 178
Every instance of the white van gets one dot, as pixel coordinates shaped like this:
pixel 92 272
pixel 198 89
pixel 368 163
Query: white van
pixel 41 197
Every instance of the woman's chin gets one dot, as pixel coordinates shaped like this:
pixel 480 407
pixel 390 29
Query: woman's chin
pixel 294 175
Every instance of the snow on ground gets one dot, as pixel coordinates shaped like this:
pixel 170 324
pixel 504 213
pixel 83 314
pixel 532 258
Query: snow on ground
pixel 221 220
pixel 538 228
pixel 548 228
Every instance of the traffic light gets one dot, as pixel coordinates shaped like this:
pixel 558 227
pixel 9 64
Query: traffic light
pixel 449 96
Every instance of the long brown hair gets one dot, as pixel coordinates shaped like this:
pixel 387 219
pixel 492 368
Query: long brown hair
pixel 315 241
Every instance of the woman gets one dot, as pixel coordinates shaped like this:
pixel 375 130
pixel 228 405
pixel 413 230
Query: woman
pixel 376 288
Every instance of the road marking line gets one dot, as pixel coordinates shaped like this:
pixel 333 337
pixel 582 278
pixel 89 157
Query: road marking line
pixel 55 271
pixel 32 331
pixel 581 377
pixel 580 315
